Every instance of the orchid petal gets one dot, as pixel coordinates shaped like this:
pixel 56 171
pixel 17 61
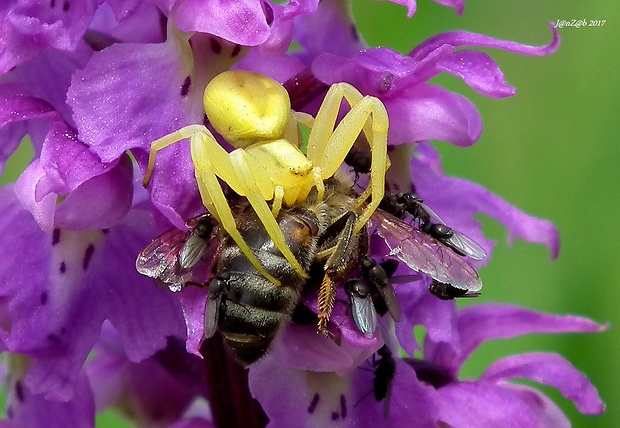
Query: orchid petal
pixel 549 369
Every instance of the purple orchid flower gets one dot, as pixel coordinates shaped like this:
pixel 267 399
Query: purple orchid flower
pixel 427 392
pixel 162 390
pixel 71 214
pixel 27 409
pixel 30 29
pixel 477 324
pixel 59 296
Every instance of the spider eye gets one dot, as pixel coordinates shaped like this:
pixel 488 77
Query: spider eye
pixel 246 107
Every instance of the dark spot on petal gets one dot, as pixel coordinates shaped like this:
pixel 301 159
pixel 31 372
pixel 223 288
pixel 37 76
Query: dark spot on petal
pixel 63 267
pixel 313 403
pixel 105 231
pixel 185 86
pixel 9 412
pixel 43 298
pixel 55 236
pixel 215 45
pixel 386 82
pixel 268 10
pixel 335 416
pixel 63 330
pixel 354 33
pixel 65 6
pixel 343 406
pixel 87 256
pixel 19 391
pixel 52 4
pixel 235 51
pixel 54 339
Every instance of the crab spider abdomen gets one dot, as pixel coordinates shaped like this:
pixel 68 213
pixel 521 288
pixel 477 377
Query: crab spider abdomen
pixel 246 107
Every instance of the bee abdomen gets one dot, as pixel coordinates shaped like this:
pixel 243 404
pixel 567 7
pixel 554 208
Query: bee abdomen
pixel 253 311
pixel 249 331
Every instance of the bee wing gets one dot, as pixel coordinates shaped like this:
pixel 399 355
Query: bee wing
pixel 362 308
pixel 465 245
pixel 425 254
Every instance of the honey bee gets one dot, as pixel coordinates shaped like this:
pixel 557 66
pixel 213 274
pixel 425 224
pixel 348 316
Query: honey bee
pixel 249 310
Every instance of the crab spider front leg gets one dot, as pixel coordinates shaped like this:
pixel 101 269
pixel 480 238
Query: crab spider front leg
pixel 248 177
pixel 328 147
pixel 206 152
pixel 165 141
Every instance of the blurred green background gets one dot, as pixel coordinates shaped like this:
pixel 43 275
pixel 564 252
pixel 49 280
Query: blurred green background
pixel 551 151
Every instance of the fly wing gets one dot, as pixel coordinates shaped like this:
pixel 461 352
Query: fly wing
pixel 159 257
pixel 197 240
pixel 391 301
pixel 433 215
pixel 362 308
pixel 172 258
pixel 425 254
pixel 212 315
pixel 465 245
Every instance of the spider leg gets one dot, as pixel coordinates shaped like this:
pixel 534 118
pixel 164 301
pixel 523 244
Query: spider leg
pixel 328 147
pixel 168 140
pixel 248 179
pixel 213 197
pixel 278 194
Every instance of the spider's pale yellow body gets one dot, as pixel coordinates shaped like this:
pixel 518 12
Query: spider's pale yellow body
pixel 253 113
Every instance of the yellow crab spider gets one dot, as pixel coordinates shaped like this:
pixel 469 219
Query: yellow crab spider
pixel 253 113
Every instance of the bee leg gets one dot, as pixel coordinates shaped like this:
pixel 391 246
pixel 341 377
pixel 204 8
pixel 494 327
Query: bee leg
pixel 334 266
pixel 327 295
